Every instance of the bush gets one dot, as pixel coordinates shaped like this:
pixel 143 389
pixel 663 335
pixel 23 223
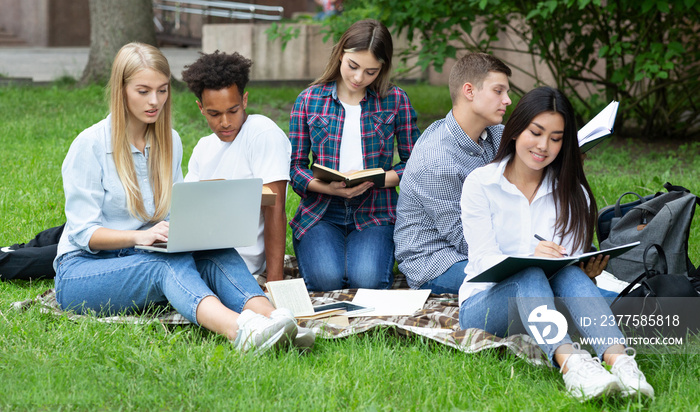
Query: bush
pixel 649 49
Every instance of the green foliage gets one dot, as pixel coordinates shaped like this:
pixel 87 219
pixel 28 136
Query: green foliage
pixel 282 32
pixel 642 53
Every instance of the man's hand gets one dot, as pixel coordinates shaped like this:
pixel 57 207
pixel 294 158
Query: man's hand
pixel 595 265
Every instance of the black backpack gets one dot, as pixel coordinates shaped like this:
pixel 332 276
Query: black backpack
pixel 661 303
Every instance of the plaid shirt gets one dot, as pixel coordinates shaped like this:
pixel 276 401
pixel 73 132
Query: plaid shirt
pixel 316 125
pixel 428 233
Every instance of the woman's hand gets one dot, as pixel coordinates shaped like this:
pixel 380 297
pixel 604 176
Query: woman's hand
pixel 595 265
pixel 549 250
pixel 157 233
pixel 339 189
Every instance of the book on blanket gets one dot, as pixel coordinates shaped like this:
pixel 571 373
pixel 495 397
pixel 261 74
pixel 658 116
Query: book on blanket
pixel 514 264
pixel 600 127
pixel 376 176
pixel 292 294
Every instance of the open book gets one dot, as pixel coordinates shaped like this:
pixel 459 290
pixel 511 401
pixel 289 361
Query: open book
pixel 514 264
pixel 598 128
pixel 292 294
pixel 353 179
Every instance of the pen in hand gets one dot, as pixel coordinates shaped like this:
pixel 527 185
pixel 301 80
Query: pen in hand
pixel 540 238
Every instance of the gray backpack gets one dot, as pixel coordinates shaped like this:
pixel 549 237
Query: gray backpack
pixel 663 220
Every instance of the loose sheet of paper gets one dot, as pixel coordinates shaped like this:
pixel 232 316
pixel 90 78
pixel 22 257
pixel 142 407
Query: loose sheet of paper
pixel 391 302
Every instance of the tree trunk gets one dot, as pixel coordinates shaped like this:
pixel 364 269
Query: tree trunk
pixel 112 25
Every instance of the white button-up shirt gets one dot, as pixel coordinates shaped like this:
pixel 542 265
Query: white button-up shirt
pixel 498 221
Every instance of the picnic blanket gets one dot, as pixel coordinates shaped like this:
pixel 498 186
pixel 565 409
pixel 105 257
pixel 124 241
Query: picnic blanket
pixel 438 321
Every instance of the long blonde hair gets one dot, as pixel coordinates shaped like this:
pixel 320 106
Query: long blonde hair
pixel 363 35
pixel 131 59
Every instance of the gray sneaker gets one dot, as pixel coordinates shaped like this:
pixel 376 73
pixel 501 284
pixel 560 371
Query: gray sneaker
pixel 305 337
pixel 257 333
pixel 629 377
pixel 587 378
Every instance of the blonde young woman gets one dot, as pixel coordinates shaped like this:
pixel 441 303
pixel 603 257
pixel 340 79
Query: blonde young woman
pixel 117 178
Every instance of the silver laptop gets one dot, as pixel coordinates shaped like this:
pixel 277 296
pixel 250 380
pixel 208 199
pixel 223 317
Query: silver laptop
pixel 214 214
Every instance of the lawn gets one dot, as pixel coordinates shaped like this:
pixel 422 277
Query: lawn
pixel 51 363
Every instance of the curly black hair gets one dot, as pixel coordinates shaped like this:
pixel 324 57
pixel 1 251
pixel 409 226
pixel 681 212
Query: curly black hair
pixel 217 71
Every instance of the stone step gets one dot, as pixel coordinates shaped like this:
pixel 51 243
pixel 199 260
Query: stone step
pixel 8 39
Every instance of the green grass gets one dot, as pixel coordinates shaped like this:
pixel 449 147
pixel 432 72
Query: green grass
pixel 50 363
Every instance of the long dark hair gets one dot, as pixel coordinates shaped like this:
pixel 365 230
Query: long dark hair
pixel 363 35
pixel 576 209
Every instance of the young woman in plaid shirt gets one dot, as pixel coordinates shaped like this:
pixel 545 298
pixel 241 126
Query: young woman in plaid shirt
pixel 348 119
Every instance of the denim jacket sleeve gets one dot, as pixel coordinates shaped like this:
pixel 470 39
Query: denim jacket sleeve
pixel 83 173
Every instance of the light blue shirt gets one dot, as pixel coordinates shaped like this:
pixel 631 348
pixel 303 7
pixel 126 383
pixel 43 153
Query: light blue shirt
pixel 95 196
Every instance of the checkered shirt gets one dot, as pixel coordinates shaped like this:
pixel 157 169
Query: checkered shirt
pixel 428 233
pixel 316 126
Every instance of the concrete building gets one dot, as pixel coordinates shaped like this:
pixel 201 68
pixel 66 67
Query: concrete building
pixel 66 23
pixel 45 23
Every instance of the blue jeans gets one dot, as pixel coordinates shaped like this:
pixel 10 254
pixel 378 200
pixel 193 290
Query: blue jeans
pixel 129 280
pixel 489 310
pixel 609 295
pixel 333 254
pixel 450 281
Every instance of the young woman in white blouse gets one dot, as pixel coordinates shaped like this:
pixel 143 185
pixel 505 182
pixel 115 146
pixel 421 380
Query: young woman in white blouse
pixel 536 186
pixel 117 178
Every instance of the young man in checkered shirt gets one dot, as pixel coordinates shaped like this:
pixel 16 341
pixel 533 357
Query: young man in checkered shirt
pixel 430 245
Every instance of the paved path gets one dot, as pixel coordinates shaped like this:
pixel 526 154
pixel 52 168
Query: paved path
pixel 45 64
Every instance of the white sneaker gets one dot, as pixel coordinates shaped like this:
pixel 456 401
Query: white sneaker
pixel 629 377
pixel 586 378
pixel 6 249
pixel 305 337
pixel 258 333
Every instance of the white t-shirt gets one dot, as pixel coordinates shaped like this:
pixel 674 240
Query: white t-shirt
pixel 498 221
pixel 261 150
pixel 351 141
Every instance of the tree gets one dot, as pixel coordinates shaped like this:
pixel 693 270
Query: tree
pixel 112 25
pixel 649 49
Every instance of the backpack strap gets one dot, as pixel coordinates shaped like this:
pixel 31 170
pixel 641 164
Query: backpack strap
pixel 618 209
pixel 672 188
pixel 648 273
pixel 662 258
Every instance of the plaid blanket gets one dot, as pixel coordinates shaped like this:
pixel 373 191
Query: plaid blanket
pixel 438 321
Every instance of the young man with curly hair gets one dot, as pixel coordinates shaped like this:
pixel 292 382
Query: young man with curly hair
pixel 242 146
